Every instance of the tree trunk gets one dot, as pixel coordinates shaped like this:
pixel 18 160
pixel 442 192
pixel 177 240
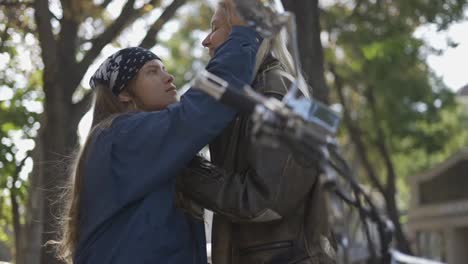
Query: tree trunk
pixel 390 188
pixel 394 214
pixel 356 134
pixel 388 191
pixel 310 46
pixel 31 242
pixel 60 136
pixel 16 225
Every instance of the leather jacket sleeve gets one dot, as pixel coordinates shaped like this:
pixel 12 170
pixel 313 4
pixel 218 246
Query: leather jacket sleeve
pixel 272 186
pixel 271 190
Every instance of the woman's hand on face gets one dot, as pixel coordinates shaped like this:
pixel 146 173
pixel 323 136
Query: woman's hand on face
pixel 235 19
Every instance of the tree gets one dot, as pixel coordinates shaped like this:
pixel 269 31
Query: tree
pixel 390 98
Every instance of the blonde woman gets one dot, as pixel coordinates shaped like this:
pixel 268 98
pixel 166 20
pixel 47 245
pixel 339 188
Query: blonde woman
pixel 268 208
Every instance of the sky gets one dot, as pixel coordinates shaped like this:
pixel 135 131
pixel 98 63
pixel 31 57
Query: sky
pixel 452 65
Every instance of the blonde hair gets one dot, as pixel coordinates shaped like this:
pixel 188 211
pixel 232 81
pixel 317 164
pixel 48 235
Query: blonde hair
pixel 277 47
pixel 106 108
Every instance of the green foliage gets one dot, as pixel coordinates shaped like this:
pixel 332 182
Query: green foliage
pixel 19 89
pixel 379 56
pixel 187 55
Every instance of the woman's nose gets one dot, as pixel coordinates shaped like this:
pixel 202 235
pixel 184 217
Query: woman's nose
pixel 206 41
pixel 170 78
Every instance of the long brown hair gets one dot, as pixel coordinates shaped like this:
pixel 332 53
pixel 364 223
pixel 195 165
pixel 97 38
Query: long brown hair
pixel 106 108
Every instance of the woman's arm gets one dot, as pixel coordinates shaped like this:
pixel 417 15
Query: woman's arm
pixel 155 146
pixel 271 187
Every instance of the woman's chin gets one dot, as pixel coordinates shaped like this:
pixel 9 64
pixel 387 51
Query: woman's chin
pixel 175 99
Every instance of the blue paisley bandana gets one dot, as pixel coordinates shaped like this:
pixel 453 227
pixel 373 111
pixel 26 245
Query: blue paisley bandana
pixel 121 67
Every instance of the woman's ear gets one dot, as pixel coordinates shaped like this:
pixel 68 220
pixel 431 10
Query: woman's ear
pixel 125 97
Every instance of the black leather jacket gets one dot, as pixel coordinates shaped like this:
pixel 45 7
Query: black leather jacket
pixel 268 208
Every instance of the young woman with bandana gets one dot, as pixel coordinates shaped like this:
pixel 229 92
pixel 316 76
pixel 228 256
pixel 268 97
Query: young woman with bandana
pixel 121 207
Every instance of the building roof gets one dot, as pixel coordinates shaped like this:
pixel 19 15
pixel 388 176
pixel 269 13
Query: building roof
pixel 463 91
pixel 448 204
pixel 441 167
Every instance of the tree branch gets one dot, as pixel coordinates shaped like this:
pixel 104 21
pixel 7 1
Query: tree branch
pixel 4 36
pixel 46 36
pixel 54 16
pixel 381 145
pixel 1 209
pixel 68 39
pixel 104 4
pixel 7 3
pixel 150 38
pixel 15 208
pixel 80 108
pixel 127 15
pixel 356 8
pixel 356 134
pixel 390 187
pixel 16 223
